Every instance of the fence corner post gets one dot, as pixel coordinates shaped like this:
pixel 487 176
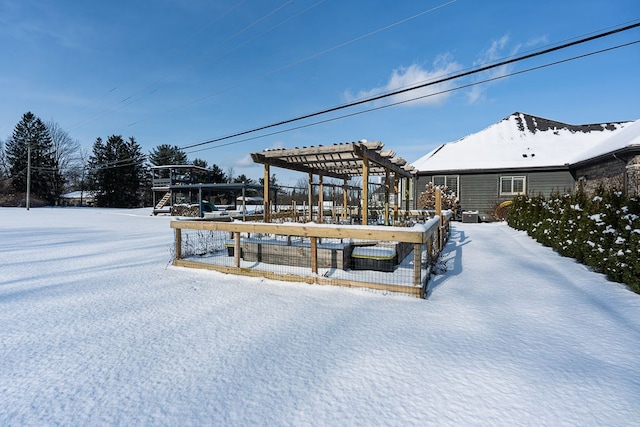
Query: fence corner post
pixel 417 264
pixel 236 249
pixel 178 243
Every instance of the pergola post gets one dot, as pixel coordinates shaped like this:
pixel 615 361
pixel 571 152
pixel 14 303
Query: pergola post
pixel 320 200
pixel 267 194
pixel 387 185
pixel 396 183
pixel 345 199
pixel 365 190
pixel 310 196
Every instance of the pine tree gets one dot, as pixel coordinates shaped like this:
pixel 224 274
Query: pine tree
pixel 166 154
pixel 217 175
pixel 117 172
pixel 46 178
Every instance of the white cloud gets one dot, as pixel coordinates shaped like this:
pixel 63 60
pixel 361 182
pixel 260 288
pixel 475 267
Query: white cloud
pixel 413 75
pixel 498 51
pixel 247 161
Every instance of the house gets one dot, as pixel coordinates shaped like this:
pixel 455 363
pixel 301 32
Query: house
pixel 525 154
pixel 78 198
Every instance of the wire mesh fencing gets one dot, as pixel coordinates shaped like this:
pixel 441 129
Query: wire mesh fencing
pixel 394 259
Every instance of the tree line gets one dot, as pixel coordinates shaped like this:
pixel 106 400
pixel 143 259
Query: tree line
pixel 46 157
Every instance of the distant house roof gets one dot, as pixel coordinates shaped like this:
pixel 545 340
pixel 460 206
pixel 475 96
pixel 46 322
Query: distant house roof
pixel 79 194
pixel 524 141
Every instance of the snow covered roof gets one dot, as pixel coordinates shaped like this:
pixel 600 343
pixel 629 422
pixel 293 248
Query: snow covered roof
pixel 524 141
pixel 78 194
pixel 627 137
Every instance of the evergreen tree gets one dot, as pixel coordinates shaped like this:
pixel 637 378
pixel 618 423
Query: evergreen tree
pixel 46 178
pixel 117 172
pixel 200 163
pixel 217 175
pixel 243 178
pixel 166 154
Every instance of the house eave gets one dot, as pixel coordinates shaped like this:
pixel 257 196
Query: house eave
pixel 565 167
pixel 622 154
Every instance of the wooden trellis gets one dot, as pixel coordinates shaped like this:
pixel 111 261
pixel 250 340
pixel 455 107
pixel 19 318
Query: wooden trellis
pixel 341 161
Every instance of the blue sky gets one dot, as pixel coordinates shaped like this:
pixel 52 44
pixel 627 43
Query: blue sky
pixel 181 72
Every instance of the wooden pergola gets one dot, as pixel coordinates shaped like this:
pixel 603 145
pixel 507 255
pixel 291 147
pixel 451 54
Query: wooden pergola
pixel 341 161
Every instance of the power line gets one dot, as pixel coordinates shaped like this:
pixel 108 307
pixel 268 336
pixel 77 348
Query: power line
pixel 405 90
pixel 420 86
pixel 300 61
pixel 224 54
pixel 406 101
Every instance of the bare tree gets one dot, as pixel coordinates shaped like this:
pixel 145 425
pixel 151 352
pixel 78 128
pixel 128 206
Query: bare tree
pixel 4 167
pixel 65 149
pixel 76 173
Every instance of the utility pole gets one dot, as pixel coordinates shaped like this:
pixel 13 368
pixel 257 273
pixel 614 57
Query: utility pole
pixel 28 172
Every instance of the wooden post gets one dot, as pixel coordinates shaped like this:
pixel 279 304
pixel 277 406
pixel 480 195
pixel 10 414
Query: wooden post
pixel 320 199
pixel 417 264
pixel 396 185
pixel 314 255
pixel 345 200
pixel 267 194
pixel 365 191
pixel 178 243
pixel 236 249
pixel 333 205
pixel 439 204
pixel 406 196
pixel 439 213
pixel 387 187
pixel 310 196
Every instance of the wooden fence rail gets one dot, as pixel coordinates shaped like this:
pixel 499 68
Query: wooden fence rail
pixel 428 239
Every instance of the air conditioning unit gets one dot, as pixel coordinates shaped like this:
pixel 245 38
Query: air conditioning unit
pixel 470 216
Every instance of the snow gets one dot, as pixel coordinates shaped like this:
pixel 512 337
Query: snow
pixel 96 328
pixel 503 145
pixel 627 137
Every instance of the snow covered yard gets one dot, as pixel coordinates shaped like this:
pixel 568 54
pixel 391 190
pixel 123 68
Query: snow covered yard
pixel 97 329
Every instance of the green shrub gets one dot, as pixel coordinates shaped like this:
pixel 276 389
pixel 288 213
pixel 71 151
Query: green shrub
pixel 602 231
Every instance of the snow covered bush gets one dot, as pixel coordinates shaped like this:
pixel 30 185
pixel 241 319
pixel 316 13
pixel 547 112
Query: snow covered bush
pixel 427 199
pixel 601 231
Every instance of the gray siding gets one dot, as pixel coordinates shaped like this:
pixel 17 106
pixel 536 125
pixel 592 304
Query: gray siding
pixel 546 183
pixel 481 191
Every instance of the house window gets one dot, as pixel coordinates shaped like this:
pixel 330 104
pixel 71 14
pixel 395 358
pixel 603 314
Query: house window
pixel 512 185
pixel 450 181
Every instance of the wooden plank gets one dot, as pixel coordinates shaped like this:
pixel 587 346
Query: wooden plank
pixel 340 232
pixel 295 256
pixel 319 280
